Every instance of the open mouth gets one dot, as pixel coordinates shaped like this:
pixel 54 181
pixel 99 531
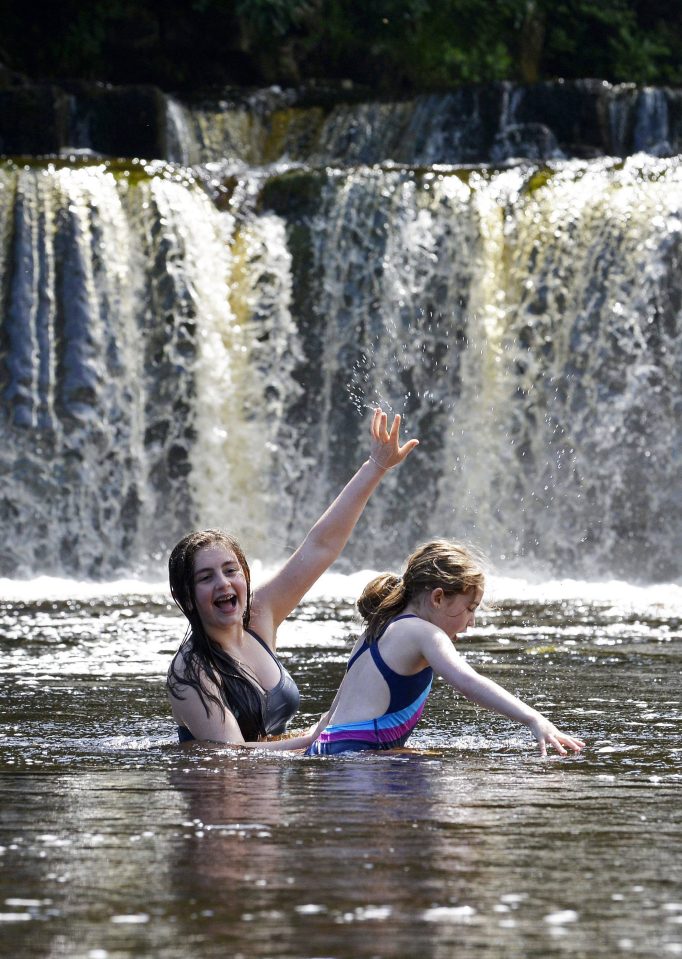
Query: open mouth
pixel 226 602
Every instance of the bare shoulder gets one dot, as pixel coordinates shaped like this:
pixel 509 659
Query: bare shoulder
pixel 177 667
pixel 412 627
pixel 261 620
pixel 403 644
pixel 358 643
pixel 423 636
pixel 177 680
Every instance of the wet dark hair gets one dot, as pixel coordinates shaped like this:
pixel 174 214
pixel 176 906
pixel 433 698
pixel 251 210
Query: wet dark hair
pixel 440 563
pixel 203 659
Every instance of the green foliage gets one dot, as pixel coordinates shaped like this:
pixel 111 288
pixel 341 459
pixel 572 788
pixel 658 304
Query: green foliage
pixel 637 58
pixel 447 43
pixel 278 17
pixel 618 40
pixel 409 44
pixel 391 45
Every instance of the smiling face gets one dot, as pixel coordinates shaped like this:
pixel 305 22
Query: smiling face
pixel 220 589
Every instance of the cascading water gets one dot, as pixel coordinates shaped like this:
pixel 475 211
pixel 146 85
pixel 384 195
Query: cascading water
pixel 145 347
pixel 528 324
pixel 71 369
pixel 192 347
pixel 100 303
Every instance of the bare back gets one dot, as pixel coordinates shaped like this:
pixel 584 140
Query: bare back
pixel 365 692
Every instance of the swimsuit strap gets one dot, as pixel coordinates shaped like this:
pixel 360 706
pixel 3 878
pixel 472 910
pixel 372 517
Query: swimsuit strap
pixel 394 620
pixel 366 643
pixel 385 670
pixel 357 653
pixel 265 646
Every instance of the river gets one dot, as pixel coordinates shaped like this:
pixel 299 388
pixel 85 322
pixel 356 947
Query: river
pixel 117 842
pixel 194 343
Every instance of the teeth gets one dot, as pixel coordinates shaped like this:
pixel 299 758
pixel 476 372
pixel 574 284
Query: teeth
pixel 224 600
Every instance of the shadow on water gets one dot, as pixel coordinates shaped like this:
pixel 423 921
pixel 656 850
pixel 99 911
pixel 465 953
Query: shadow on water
pixel 116 842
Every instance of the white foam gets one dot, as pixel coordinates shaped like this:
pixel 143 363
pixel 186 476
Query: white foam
pixel 347 587
pixel 55 587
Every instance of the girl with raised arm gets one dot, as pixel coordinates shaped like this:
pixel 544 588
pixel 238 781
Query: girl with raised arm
pixel 226 683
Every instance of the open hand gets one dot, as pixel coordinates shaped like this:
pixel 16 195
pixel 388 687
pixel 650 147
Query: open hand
pixel 548 735
pixel 386 449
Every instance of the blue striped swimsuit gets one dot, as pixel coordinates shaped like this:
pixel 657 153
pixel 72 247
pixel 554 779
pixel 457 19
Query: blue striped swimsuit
pixel 408 696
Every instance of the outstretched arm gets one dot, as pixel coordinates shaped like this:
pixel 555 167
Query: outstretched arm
pixel 301 741
pixel 446 661
pixel 275 599
pixel 222 728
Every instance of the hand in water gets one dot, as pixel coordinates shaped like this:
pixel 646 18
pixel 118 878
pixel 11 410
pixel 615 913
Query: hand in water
pixel 548 735
pixel 386 449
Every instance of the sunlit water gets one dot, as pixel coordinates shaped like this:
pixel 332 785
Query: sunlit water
pixel 116 842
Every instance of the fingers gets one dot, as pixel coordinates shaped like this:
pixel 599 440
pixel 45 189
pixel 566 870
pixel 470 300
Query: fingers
pixel 393 437
pixel 376 423
pixel 384 434
pixel 571 741
pixel 407 448
pixel 544 741
pixel 379 423
pixel 559 741
pixel 387 444
pixel 548 735
pixel 378 427
pixel 553 741
pixel 380 432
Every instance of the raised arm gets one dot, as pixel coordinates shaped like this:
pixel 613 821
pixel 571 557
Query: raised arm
pixel 437 649
pixel 276 598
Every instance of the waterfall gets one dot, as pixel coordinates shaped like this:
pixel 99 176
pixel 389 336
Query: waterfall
pixel 180 147
pixel 200 346
pixel 652 126
pixel 70 369
pixel 494 123
pixel 527 324
pixel 147 358
pixel 101 296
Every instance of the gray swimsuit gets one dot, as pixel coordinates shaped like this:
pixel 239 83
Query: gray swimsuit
pixel 280 702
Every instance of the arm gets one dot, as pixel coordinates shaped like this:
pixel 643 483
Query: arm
pixel 293 742
pixel 275 599
pixel 446 661
pixel 298 741
pixel 224 730
pixel 189 711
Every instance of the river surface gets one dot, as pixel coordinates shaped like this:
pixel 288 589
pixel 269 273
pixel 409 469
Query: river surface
pixel 116 843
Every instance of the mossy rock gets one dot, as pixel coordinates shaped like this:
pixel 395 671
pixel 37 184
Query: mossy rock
pixel 293 194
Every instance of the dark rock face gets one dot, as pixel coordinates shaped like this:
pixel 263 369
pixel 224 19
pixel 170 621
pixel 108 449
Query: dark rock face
pixel 486 124
pixel 575 113
pixel 37 119
pixel 118 121
pixel 532 141
pixel 33 120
